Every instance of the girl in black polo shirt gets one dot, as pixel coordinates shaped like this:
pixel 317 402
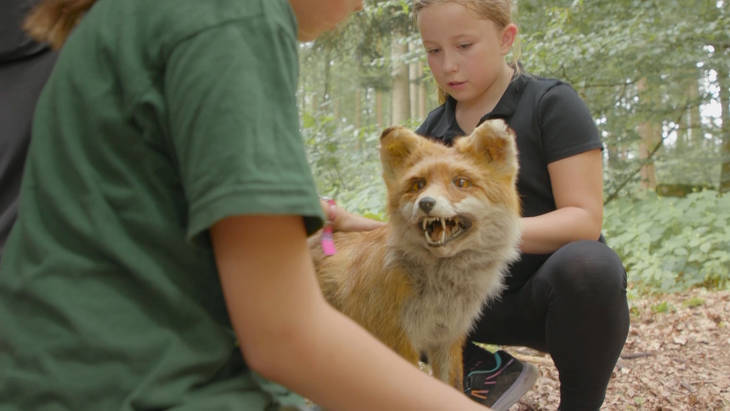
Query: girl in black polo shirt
pixel 567 294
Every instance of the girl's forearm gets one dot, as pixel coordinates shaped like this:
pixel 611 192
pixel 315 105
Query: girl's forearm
pixel 341 367
pixel 291 335
pixel 546 233
pixel 343 220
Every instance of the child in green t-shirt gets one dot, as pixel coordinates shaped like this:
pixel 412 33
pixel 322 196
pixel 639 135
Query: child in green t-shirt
pixel 163 218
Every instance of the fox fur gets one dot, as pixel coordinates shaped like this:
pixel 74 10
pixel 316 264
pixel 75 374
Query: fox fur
pixel 419 282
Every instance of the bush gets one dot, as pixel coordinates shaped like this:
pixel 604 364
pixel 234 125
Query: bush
pixel 671 244
pixel 345 163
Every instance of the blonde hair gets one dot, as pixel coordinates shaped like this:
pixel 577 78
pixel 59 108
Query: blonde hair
pixel 498 11
pixel 51 21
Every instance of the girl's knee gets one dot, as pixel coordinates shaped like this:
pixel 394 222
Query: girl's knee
pixel 586 267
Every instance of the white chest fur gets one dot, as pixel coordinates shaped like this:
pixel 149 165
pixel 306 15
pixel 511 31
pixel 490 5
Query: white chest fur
pixel 448 297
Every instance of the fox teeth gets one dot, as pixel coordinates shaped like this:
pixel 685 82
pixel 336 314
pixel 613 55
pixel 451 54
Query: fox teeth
pixel 450 228
pixel 425 225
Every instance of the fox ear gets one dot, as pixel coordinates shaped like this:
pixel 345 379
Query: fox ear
pixel 494 142
pixel 396 145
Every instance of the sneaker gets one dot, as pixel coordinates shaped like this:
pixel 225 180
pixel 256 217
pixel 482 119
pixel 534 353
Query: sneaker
pixel 503 384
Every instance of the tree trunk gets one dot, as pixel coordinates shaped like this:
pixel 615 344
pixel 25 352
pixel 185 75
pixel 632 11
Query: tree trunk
pixel 422 97
pixel 690 133
pixel 695 119
pixel 379 117
pixel 612 149
pixel 648 171
pixel 357 120
pixel 327 76
pixel 401 107
pixel 723 79
pixel 413 82
pixel 650 134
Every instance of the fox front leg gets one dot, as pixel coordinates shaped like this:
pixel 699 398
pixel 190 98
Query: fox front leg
pixel 446 364
pixel 456 365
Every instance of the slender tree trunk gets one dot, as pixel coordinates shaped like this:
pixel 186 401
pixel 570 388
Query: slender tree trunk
pixel 723 78
pixel 401 107
pixel 421 94
pixel 314 100
pixel 695 119
pixel 327 76
pixel 613 160
pixel 650 134
pixel 690 131
pixel 413 82
pixel 357 118
pixel 334 104
pixel 379 115
pixel 648 171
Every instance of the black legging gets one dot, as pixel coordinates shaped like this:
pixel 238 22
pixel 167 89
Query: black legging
pixel 573 307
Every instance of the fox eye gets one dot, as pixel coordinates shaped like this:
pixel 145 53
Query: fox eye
pixel 462 182
pixel 417 185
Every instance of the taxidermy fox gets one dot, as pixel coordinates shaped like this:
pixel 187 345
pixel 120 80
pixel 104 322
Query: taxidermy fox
pixel 419 282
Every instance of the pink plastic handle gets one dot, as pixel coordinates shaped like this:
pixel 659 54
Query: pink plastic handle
pixel 328 244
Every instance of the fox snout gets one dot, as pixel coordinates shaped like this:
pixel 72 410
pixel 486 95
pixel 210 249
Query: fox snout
pixel 426 204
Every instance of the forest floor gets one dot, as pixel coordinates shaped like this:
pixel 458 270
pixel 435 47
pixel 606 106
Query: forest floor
pixel 676 357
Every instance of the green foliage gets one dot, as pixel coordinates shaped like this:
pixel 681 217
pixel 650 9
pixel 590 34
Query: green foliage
pixel 663 307
pixel 345 163
pixel 606 49
pixel 671 244
pixel 694 302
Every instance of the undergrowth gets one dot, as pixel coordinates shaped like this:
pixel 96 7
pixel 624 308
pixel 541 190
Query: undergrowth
pixel 671 244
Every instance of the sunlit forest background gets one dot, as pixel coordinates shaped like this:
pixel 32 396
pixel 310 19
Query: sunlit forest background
pixel 655 74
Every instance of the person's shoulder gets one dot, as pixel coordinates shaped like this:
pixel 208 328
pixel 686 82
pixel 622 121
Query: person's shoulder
pixel 433 118
pixel 172 21
pixel 548 90
pixel 542 84
pixel 436 113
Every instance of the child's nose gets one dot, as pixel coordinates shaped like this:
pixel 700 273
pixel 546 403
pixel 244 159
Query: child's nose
pixel 450 63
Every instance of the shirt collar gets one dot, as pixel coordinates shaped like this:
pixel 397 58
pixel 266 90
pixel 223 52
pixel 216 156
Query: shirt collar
pixel 505 108
pixel 507 104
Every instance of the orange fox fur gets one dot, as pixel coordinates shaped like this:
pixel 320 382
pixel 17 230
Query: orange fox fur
pixel 419 282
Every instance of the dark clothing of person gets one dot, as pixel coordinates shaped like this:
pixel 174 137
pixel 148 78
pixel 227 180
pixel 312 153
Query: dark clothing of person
pixel 573 307
pixel 570 303
pixel 24 67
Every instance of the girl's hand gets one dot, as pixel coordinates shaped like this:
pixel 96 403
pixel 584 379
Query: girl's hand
pixel 342 220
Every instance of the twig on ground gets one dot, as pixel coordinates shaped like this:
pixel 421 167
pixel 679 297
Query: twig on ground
pixel 634 355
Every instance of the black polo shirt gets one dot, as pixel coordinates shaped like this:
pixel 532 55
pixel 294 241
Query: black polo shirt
pixel 550 121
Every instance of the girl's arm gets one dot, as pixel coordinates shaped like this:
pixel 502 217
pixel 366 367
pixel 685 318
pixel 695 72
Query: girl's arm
pixel 290 334
pixel 577 183
pixel 342 220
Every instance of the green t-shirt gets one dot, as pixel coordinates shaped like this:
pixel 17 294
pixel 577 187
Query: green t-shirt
pixel 160 118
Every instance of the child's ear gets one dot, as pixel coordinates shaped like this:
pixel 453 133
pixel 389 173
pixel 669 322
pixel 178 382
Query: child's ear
pixel 396 145
pixel 494 143
pixel 509 35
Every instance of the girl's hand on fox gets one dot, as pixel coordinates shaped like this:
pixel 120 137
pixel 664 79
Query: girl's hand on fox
pixel 342 220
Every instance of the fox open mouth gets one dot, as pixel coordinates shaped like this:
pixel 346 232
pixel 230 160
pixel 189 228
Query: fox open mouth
pixel 439 231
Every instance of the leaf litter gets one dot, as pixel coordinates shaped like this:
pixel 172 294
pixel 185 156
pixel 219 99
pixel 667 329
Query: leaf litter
pixel 676 357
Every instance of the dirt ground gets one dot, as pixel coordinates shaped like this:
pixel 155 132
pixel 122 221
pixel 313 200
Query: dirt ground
pixel 676 357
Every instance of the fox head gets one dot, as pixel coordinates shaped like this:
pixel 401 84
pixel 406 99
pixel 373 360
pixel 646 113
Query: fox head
pixel 446 200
